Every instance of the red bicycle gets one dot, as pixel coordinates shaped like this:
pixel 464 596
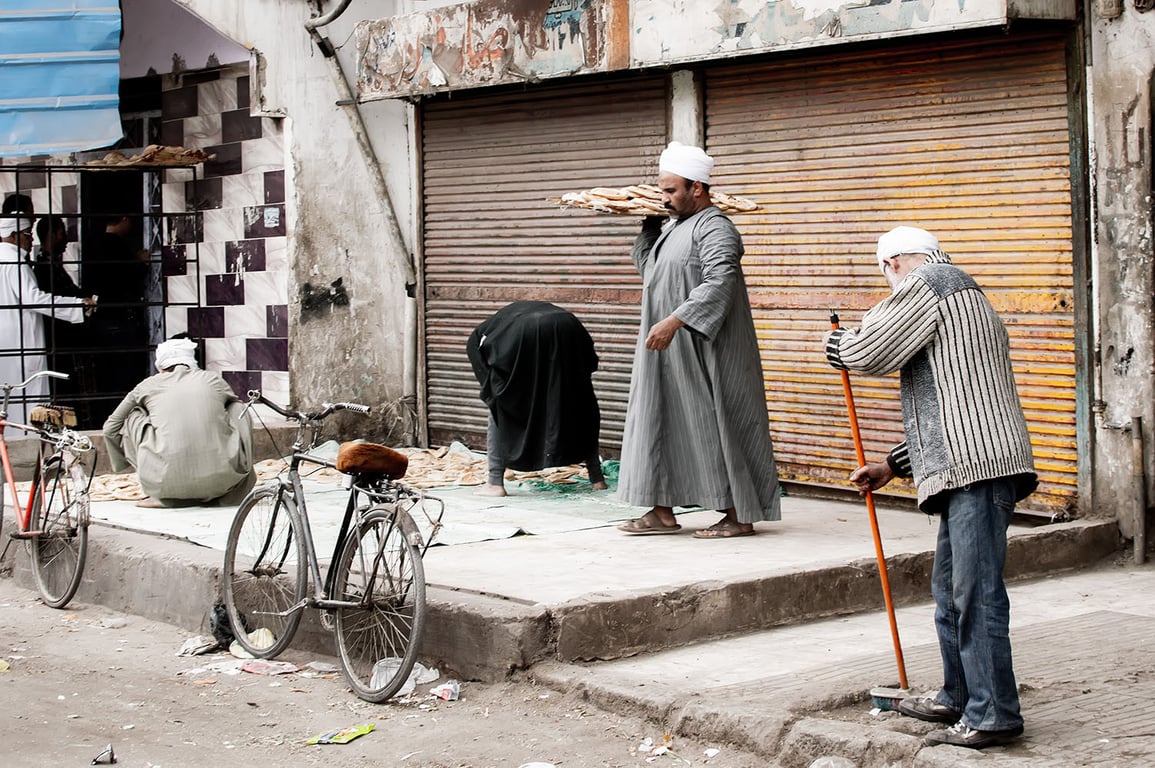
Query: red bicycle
pixel 53 520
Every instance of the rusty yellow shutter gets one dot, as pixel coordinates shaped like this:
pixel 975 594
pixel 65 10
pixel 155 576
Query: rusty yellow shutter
pixel 489 237
pixel 967 139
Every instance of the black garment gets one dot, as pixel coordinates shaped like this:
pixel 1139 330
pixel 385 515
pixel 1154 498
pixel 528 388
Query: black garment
pixel 63 338
pixel 534 361
pixel 118 331
pixel 113 273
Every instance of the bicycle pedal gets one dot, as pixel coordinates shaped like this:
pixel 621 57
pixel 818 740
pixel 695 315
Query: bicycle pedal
pixel 328 623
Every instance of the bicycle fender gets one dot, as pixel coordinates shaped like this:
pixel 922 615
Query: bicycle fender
pixel 409 527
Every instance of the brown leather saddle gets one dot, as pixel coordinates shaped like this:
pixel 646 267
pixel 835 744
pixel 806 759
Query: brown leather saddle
pixel 371 459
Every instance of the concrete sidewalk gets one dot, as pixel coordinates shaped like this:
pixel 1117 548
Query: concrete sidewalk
pixel 578 589
pixel 724 639
pixel 1084 646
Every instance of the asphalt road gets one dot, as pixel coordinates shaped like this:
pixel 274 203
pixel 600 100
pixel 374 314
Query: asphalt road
pixel 87 677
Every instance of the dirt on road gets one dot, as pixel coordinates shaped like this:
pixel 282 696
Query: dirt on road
pixel 86 677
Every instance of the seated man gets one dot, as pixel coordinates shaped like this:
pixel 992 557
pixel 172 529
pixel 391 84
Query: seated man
pixel 185 432
pixel 534 361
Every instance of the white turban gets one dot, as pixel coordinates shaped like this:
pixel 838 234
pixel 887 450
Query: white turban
pixel 176 352
pixel 10 224
pixel 686 161
pixel 905 240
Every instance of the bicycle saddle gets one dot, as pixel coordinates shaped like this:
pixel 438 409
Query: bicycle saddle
pixel 371 459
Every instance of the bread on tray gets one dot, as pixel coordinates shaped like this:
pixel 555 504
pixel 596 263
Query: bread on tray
pixel 641 200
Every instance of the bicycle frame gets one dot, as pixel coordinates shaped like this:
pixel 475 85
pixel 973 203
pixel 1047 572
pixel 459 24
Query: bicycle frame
pixel 323 588
pixel 23 511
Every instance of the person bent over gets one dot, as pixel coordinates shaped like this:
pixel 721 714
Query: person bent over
pixel 534 361
pixel 185 433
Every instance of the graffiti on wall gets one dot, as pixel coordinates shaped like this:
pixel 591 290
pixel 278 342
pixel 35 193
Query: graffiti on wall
pixel 481 43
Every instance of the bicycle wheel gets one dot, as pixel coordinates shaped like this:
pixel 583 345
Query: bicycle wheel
pixel 380 570
pixel 265 573
pixel 60 516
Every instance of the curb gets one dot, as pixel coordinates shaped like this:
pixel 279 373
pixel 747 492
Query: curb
pixel 486 637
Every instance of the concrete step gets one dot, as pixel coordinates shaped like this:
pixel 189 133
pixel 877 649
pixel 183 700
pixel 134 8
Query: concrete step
pixel 596 594
pixel 1082 654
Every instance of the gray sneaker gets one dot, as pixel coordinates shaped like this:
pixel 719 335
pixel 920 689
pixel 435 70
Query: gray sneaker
pixel 927 708
pixel 962 735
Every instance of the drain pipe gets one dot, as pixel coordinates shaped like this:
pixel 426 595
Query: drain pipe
pixel 320 21
pixel 1139 480
pixel 361 134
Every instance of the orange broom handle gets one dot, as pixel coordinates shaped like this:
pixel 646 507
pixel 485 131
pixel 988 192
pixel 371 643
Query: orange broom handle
pixel 873 518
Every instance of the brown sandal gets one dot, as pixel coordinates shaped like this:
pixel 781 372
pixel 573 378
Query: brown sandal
pixel 723 529
pixel 648 525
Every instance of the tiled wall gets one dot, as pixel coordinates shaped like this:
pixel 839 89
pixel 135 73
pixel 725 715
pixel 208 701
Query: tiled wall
pixel 225 262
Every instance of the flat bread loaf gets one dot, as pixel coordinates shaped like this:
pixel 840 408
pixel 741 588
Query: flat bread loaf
pixel 642 200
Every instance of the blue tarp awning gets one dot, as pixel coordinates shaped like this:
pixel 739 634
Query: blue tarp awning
pixel 59 76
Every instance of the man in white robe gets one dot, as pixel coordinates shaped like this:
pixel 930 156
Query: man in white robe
pixel 696 432
pixel 22 308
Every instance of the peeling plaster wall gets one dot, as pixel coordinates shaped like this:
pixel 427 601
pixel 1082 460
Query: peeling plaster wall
pixel 350 321
pixel 1123 63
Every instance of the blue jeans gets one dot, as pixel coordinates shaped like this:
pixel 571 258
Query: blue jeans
pixel 972 611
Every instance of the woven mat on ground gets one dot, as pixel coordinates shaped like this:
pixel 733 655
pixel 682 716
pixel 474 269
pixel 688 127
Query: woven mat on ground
pixel 544 502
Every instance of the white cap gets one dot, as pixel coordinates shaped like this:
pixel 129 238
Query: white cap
pixel 686 161
pixel 10 224
pixel 176 352
pixel 905 240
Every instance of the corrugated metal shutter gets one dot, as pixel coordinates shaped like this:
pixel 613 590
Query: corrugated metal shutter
pixel 967 139
pixel 490 237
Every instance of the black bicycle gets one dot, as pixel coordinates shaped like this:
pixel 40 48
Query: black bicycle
pixel 373 594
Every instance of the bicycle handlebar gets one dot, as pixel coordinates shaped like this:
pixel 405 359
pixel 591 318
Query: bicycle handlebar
pixel 7 388
pixel 327 409
pixel 32 378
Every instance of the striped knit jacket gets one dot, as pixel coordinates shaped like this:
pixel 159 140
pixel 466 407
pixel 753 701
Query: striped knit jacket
pixel 961 411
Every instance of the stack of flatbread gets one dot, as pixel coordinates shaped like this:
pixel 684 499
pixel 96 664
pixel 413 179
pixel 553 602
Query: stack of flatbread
pixel 155 154
pixel 641 200
pixel 123 487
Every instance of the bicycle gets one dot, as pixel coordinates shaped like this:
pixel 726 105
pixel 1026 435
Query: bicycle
pixel 54 520
pixel 373 593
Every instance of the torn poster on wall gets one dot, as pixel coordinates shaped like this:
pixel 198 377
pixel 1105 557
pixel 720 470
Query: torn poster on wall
pixel 482 43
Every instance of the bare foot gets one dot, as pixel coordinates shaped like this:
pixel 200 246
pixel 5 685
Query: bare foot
pixel 599 486
pixel 490 490
pixel 149 502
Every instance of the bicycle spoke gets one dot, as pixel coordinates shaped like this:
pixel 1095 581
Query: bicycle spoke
pixel 265 573
pixel 59 549
pixel 378 639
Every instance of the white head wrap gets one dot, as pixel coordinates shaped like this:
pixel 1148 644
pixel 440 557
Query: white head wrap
pixel 686 161
pixel 10 224
pixel 905 240
pixel 176 352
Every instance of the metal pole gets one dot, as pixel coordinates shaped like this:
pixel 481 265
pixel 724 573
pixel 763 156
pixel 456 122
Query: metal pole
pixel 1139 479
pixel 873 520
